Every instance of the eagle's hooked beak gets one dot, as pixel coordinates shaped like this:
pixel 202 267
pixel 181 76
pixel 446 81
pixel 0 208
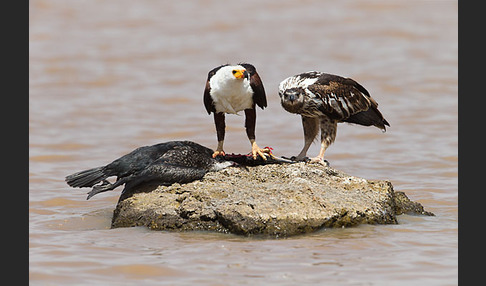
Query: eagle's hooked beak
pixel 239 74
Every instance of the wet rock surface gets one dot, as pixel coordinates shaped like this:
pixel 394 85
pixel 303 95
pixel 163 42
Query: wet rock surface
pixel 276 200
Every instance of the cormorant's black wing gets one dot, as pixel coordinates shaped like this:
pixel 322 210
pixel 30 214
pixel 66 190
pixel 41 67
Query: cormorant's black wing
pixel 162 174
pixel 124 166
pixel 139 159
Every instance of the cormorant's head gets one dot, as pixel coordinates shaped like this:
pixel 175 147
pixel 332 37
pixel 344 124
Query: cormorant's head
pixel 292 99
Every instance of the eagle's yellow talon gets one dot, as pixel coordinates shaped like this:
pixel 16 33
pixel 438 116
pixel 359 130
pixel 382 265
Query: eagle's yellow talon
pixel 257 151
pixel 218 153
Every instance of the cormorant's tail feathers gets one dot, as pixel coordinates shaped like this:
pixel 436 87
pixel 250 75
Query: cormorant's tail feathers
pixel 86 178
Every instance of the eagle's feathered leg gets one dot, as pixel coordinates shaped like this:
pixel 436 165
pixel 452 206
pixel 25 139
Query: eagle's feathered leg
pixel 219 121
pixel 311 128
pixel 328 135
pixel 250 122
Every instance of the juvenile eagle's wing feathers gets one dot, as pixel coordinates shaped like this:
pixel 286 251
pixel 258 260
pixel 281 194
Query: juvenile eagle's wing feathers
pixel 346 100
pixel 340 97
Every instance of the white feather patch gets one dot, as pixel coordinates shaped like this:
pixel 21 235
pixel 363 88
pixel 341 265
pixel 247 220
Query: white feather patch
pixel 295 82
pixel 229 94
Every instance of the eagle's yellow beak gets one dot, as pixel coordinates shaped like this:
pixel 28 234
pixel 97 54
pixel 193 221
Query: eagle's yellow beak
pixel 239 73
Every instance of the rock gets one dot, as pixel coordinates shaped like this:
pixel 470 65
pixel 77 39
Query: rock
pixel 276 200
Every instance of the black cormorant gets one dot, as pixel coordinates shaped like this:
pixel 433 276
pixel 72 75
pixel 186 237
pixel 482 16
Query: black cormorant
pixel 164 164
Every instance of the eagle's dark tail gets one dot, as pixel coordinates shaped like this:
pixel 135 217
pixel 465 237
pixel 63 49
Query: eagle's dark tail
pixel 86 178
pixel 369 117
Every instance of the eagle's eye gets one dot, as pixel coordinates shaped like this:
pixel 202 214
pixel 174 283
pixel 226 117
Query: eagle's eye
pixel 234 71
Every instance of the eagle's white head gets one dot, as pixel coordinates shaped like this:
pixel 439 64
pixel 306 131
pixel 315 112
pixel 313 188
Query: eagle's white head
pixel 228 73
pixel 231 89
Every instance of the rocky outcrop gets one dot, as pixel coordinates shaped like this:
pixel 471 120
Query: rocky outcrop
pixel 276 200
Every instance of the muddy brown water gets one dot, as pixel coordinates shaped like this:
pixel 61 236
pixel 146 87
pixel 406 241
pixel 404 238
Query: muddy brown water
pixel 106 77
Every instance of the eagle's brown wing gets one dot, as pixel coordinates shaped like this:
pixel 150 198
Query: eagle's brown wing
pixel 340 97
pixel 208 100
pixel 259 97
pixel 346 100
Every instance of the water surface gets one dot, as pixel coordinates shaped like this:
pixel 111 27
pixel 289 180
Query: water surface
pixel 109 76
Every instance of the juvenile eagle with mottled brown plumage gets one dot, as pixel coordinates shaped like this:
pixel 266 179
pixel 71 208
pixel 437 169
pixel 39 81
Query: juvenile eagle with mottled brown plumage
pixel 323 100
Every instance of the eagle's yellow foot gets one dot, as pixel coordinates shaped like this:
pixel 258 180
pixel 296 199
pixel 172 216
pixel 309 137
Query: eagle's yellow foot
pixel 218 153
pixel 257 151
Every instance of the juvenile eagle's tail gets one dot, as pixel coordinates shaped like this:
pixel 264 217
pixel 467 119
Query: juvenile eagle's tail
pixel 86 178
pixel 369 117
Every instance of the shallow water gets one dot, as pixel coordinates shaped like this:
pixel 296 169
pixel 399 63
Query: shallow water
pixel 109 76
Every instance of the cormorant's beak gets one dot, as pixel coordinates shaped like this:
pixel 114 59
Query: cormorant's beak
pixel 239 74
